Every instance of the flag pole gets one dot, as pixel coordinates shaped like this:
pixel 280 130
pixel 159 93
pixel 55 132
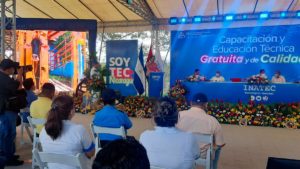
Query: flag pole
pixel 166 55
pixel 146 86
pixel 144 71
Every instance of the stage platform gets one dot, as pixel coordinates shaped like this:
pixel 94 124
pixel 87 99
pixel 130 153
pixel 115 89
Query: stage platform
pixel 247 147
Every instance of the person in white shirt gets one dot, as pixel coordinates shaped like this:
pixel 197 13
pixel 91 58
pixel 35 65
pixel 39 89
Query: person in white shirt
pixel 167 147
pixel 217 77
pixel 196 120
pixel 196 77
pixel 95 70
pixel 278 78
pixel 62 136
pixel 262 74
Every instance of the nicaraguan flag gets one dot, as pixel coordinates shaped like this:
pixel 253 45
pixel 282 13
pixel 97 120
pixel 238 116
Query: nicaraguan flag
pixel 139 74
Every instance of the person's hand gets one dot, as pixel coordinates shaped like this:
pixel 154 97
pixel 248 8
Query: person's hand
pixel 20 71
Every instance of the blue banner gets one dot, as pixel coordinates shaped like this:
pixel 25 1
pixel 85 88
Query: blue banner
pixel 238 55
pixel 235 92
pixel 121 57
pixel 156 84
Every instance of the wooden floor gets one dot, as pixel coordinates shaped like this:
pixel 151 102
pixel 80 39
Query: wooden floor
pixel 246 148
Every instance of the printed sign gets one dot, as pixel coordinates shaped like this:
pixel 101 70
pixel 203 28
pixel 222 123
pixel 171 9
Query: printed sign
pixel 238 54
pixel 121 58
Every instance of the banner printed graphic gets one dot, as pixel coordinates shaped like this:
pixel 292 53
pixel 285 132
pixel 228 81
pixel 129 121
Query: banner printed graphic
pixel 239 53
pixel 121 58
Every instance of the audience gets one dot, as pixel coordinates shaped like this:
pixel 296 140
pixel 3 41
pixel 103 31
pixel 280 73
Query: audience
pixel 196 120
pixel 109 116
pixel 62 136
pixel 40 108
pixel 122 154
pixel 166 146
pixel 30 96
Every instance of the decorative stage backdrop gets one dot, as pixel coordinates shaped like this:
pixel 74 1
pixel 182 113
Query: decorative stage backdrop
pixel 121 57
pixel 239 53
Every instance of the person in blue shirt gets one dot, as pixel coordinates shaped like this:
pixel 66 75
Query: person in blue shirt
pixel 109 116
pixel 29 87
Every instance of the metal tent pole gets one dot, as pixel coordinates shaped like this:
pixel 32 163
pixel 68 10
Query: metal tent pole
pixel 8 21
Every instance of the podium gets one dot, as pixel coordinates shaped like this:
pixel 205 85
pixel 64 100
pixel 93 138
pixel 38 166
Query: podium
pixel 156 84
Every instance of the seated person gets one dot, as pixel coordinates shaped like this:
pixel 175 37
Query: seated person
pixel 109 116
pixel 217 77
pixel 122 154
pixel 30 96
pixel 39 109
pixel 278 78
pixel 62 136
pixel 196 120
pixel 196 76
pixel 167 146
pixel 261 75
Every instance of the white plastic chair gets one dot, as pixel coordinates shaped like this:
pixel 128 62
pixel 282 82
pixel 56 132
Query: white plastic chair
pixel 34 123
pixel 44 158
pixel 205 139
pixel 26 126
pixel 106 130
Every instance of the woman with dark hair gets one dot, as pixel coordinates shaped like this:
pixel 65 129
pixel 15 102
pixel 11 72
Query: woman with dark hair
pixel 62 136
pixel 122 154
pixel 166 146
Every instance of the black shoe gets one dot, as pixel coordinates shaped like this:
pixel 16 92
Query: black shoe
pixel 15 157
pixel 14 162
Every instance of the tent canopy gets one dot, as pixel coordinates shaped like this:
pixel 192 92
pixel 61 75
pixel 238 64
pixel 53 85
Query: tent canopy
pixel 117 15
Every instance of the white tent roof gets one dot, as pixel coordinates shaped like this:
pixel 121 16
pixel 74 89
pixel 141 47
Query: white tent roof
pixel 116 15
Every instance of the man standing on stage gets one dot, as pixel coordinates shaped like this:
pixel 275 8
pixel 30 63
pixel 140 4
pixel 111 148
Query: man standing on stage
pixel 196 120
